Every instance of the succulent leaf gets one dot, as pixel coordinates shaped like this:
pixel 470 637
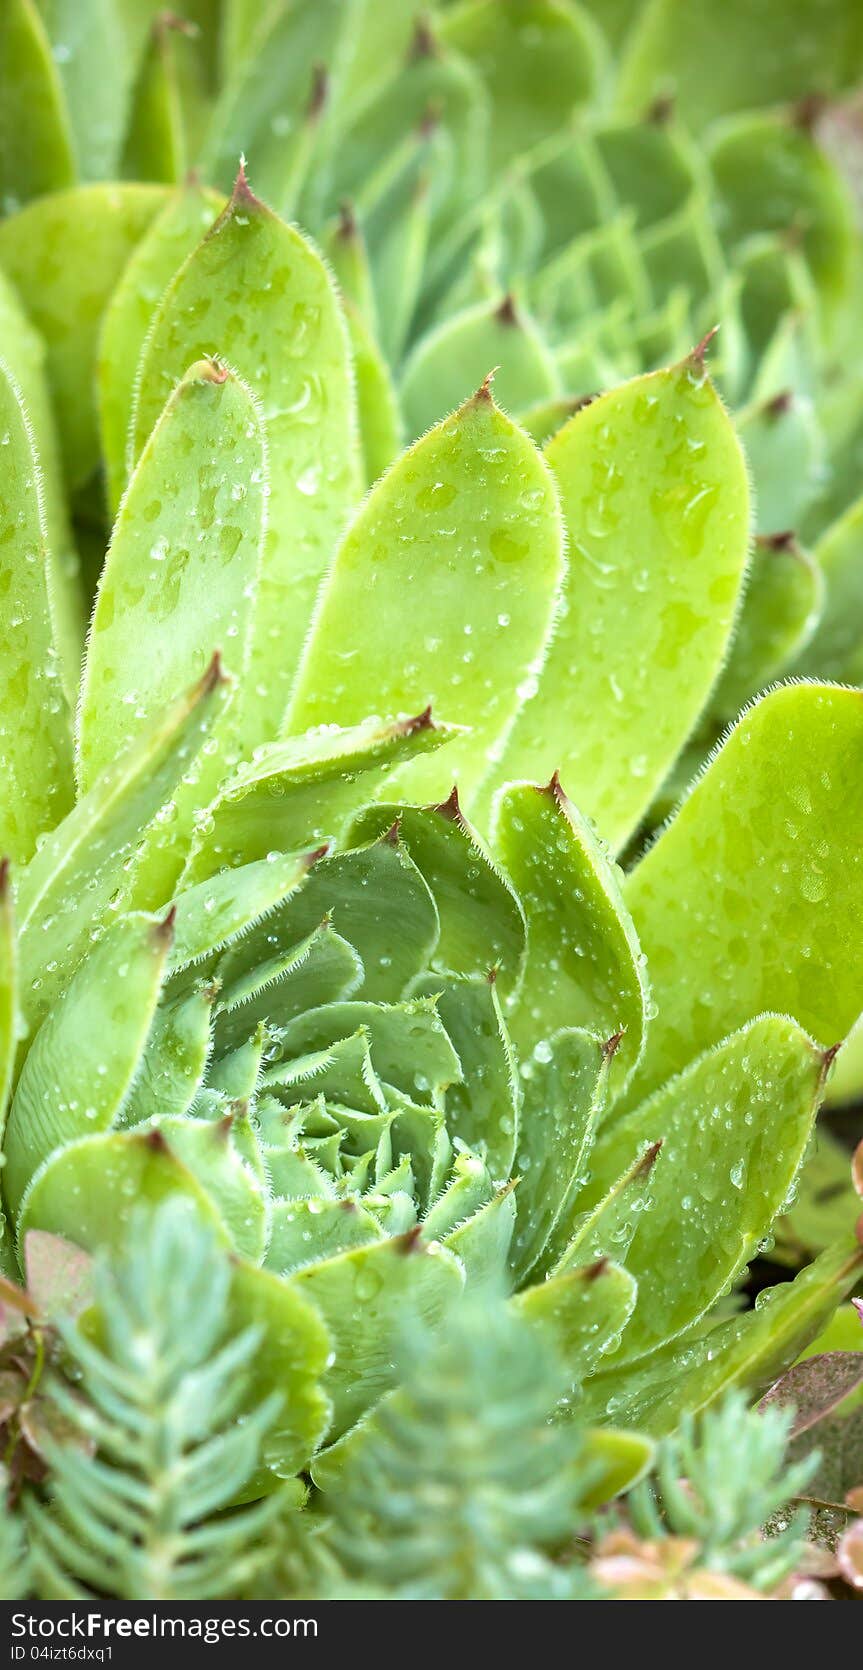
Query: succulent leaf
pixel 168 240
pixel 159 614
pixel 658 544
pixel 35 725
pixel 97 227
pixel 79 1071
pixel 791 760
pixel 424 528
pixel 750 1141
pixel 260 296
pixel 35 142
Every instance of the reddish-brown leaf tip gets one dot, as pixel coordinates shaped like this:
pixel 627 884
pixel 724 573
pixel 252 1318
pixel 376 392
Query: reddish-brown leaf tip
pixel 5 877
pixel 420 722
pixel 213 371
pixel 319 852
pixel 506 313
pixel 593 1271
pixel 700 350
pixel 807 112
pixel 391 836
pixel 554 789
pixel 423 44
pixel 242 192
pixel 449 808
pixel 785 540
pixel 170 22
pixel 409 1242
pixel 483 393
pixel 660 110
pixel 780 403
pixel 347 227
pixel 154 1141
pixel 493 973
pixel 612 1045
pixel 648 1159
pixel 214 675
pixel 578 402
pixel 828 1057
pixel 319 94
pixel 163 932
pixel 430 119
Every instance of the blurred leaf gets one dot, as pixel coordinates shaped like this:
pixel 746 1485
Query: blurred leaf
pixel 815 1386
pixel 35 142
pixel 87 1051
pixel 727 931
pixel 96 227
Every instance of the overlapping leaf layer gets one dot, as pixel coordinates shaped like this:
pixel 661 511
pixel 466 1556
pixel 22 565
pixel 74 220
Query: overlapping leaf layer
pixel 393 1039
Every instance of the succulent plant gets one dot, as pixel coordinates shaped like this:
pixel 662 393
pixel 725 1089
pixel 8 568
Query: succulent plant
pixel 265 960
pixel 390 1039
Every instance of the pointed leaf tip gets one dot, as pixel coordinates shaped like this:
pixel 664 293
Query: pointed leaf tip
pixel 166 23
pixel 786 540
pixel 163 932
pixel 700 350
pixel 409 1242
pixel 421 722
pixel 391 835
pixel 5 876
pixel 449 808
pixel 828 1057
pixel 319 94
pixel 506 314
pixel 594 1271
pixel 429 123
pixel 648 1159
pixel 423 43
pixel 347 227
pixel 612 1045
pixel 806 112
pixel 661 110
pixel 554 789
pixel 214 371
pixel 780 403
pixel 242 192
pixel 215 675
pixel 483 393
pixel 154 1141
pixel 322 851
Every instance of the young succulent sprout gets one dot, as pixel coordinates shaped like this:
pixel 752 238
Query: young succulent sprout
pixel 379 1040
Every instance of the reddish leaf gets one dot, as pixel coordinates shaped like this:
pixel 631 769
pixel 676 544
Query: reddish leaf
pixel 815 1386
pixel 849 1554
pixel 58 1273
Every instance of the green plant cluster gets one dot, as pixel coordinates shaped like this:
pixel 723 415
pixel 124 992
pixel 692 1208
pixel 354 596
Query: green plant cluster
pixel 399 1047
